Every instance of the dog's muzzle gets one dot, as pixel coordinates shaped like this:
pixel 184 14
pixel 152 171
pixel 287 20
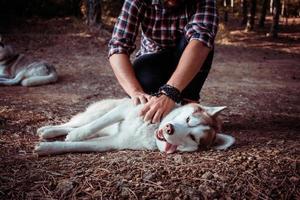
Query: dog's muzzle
pixel 162 144
pixel 160 135
pixel 169 129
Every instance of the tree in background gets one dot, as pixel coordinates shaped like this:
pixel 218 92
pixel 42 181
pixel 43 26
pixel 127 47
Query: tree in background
pixel 95 12
pixel 271 6
pixel 91 11
pixel 225 4
pixel 275 24
pixel 251 16
pixel 263 13
pixel 244 11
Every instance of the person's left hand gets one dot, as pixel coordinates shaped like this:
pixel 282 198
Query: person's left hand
pixel 156 108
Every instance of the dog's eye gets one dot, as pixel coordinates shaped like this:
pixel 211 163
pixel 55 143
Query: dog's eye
pixel 188 119
pixel 192 137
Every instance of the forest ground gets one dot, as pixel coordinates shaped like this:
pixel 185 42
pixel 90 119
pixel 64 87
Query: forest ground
pixel 257 78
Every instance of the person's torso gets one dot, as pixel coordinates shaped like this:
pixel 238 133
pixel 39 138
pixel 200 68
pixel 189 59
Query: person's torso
pixel 161 28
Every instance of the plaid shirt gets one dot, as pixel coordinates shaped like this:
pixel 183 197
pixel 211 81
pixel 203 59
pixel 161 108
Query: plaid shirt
pixel 161 28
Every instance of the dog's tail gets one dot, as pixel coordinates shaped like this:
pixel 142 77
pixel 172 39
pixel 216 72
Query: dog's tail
pixel 223 141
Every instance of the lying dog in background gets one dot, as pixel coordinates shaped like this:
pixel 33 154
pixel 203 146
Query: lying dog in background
pixel 116 125
pixel 17 69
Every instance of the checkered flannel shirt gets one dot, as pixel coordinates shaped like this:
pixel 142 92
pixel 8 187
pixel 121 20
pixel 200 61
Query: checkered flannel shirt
pixel 161 28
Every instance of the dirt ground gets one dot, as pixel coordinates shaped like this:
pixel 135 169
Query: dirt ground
pixel 256 77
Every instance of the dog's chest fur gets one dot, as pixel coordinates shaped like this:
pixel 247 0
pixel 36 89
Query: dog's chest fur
pixel 133 132
pixel 137 133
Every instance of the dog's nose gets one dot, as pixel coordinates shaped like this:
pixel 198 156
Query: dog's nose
pixel 169 128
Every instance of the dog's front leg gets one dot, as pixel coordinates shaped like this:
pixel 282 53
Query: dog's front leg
pixel 85 132
pixel 48 132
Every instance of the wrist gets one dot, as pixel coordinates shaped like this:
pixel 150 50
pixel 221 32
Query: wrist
pixel 169 91
pixel 135 92
pixel 175 85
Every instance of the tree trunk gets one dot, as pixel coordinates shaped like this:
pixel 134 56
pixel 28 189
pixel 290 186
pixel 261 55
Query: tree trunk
pixel 93 12
pixel 275 24
pixel 225 4
pixel 263 13
pixel 244 10
pixel 271 6
pixel 251 16
pixel 284 11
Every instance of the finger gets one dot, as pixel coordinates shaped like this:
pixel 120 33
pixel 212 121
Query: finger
pixel 149 115
pixel 144 110
pixel 136 100
pixel 143 99
pixel 148 97
pixel 166 112
pixel 157 117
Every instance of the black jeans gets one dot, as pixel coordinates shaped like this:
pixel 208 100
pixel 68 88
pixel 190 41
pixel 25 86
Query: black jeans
pixel 155 69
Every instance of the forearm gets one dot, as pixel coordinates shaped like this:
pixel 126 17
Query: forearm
pixel 125 74
pixel 189 64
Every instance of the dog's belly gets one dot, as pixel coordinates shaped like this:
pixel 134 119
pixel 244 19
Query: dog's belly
pixel 138 135
pixel 131 136
pixel 135 135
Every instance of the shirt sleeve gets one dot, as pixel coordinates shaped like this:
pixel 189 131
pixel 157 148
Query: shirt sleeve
pixel 203 25
pixel 126 28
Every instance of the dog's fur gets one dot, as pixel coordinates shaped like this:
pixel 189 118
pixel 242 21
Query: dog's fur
pixel 18 69
pixel 116 124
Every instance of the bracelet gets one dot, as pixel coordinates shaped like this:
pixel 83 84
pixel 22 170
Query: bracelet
pixel 170 91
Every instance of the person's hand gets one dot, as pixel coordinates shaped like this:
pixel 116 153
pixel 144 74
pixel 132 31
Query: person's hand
pixel 157 108
pixel 140 98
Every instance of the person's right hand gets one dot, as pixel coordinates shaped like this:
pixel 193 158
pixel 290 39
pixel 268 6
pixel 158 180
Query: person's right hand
pixel 140 98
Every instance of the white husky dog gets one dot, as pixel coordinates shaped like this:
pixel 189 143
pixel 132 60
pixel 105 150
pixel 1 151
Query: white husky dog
pixel 115 124
pixel 18 69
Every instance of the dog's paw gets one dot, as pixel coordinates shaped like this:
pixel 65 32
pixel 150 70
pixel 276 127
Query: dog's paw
pixel 49 132
pixel 71 138
pixel 74 135
pixel 44 133
pixel 40 131
pixel 42 148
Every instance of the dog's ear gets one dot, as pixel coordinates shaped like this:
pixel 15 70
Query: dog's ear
pixel 213 111
pixel 223 141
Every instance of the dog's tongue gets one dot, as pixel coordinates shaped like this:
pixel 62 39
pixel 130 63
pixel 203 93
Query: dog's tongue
pixel 170 148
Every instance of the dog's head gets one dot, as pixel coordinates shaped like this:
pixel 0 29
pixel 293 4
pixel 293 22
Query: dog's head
pixel 6 51
pixel 188 127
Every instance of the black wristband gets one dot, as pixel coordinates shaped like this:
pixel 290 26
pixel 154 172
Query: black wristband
pixel 170 91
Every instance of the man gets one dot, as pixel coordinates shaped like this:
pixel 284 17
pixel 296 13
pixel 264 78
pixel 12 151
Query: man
pixel 175 56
